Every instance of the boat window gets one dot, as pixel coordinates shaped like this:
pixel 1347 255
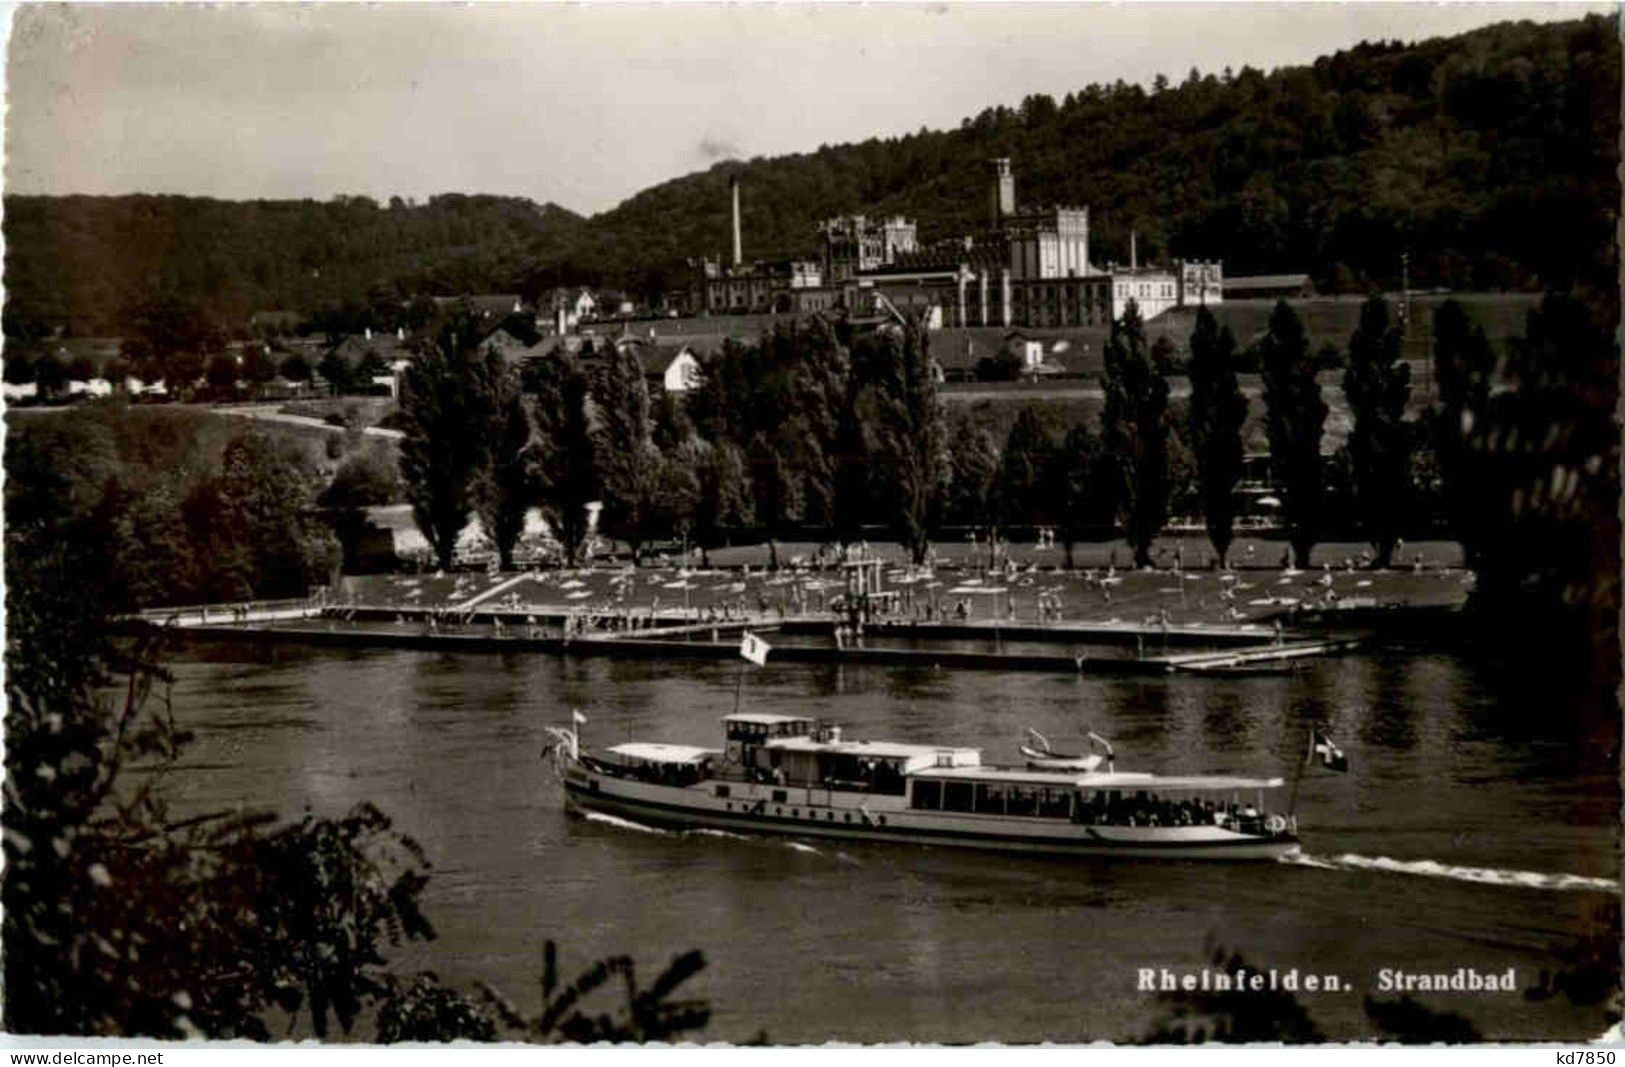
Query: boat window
pixel 722 791
pixel 927 794
pixel 957 796
pixel 990 798
pixel 780 796
pixel 1054 804
pixel 1021 800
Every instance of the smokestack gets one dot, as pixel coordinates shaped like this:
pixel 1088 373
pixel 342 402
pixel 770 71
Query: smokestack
pixel 1003 190
pixel 733 186
pixel 1133 252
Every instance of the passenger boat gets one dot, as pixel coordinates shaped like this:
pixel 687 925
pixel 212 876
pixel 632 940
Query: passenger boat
pixel 794 775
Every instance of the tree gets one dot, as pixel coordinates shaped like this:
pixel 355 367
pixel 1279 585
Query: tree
pixel 1003 366
pixel 505 484
pixel 365 479
pixel 169 338
pixel 1072 488
pixel 1134 433
pixel 678 497
pixel 51 374
pixel 222 373
pixel 1217 413
pixel 123 919
pixel 81 368
pixel 912 444
pixel 628 460
pixel 254 526
pixel 295 368
pixel 1464 365
pixel 337 371
pixel 821 397
pixel 1018 488
pixel 726 497
pixel 567 478
pixel 120 918
pixel 779 488
pixel 1546 458
pixel 1296 416
pixel 19 368
pixel 973 461
pixel 447 407
pixel 1377 383
pixel 258 366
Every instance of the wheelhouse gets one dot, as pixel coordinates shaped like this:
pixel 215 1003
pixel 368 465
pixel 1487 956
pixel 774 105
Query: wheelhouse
pixel 858 766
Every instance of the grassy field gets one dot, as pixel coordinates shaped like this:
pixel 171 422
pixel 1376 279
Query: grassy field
pixel 1326 319
pixel 1072 401
pixel 174 433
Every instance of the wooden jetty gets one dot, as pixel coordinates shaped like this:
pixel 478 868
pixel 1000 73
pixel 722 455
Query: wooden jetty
pixel 1240 660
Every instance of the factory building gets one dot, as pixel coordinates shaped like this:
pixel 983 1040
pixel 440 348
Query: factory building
pixel 1030 267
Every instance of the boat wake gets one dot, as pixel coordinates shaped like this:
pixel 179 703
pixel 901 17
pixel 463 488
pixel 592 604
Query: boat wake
pixel 1348 861
pixel 703 831
pixel 624 824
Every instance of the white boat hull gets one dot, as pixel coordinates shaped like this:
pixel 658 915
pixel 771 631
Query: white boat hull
pixel 823 813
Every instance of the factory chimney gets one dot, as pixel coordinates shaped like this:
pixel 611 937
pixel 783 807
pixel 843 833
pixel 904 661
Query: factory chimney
pixel 1003 192
pixel 733 186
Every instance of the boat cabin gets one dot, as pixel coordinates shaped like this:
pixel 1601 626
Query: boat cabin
pixel 1092 799
pixel 827 762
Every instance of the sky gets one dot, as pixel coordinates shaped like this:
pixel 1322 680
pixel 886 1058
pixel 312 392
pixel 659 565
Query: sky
pixel 584 104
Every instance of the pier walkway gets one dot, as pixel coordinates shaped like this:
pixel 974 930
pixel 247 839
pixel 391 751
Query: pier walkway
pixel 1062 647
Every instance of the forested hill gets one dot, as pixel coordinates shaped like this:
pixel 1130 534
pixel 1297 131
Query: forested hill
pixel 89 260
pixel 1489 157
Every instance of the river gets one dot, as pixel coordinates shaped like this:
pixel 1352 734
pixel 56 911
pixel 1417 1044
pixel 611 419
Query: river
pixel 1461 777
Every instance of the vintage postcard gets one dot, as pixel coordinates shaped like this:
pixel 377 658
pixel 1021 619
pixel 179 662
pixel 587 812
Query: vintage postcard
pixel 789 524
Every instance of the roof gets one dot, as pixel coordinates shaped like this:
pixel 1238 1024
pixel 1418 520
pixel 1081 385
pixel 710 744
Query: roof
pixel 281 320
pixel 880 749
pixel 960 347
pixel 658 358
pixel 494 305
pixel 763 718
pixel 1122 780
pixel 658 753
pixel 1267 281
pixel 503 340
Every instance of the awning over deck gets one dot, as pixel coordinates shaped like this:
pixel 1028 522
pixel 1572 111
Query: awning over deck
pixel 650 752
pixel 1120 780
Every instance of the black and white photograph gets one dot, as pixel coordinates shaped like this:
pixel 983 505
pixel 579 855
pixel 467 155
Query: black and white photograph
pixel 783 524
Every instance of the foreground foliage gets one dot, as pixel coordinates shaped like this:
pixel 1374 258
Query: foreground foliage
pixel 124 916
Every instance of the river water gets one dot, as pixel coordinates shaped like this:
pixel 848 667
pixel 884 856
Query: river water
pixel 1471 795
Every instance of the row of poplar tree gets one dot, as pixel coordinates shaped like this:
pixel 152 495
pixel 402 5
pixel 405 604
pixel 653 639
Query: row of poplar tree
pixel 819 430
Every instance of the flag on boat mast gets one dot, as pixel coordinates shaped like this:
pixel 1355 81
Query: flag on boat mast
pixel 577 720
pixel 1331 757
pixel 754 649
